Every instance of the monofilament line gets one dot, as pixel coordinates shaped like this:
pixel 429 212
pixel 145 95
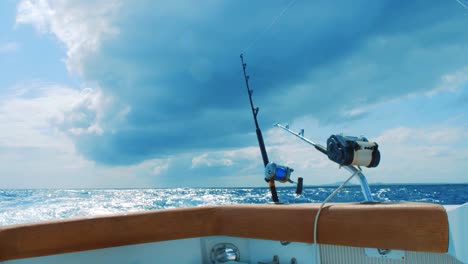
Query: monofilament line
pixel 462 4
pixel 317 258
pixel 252 43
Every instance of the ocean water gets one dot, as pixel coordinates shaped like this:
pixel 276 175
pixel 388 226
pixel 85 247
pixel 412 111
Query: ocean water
pixel 35 205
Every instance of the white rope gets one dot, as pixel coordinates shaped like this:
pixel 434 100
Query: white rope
pixel 317 258
pixel 291 3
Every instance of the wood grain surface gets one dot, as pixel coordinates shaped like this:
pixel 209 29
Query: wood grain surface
pixel 404 226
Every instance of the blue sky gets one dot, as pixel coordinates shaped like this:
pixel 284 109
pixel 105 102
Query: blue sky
pixel 121 93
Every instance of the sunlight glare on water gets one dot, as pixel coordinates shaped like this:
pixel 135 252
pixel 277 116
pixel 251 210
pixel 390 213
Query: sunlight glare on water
pixel 26 206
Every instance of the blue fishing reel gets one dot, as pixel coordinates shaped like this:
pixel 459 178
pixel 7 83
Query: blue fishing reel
pixel 277 172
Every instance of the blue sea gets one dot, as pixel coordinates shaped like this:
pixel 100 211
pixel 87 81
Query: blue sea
pixel 33 205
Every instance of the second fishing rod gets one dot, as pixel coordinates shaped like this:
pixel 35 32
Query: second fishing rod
pixel 273 171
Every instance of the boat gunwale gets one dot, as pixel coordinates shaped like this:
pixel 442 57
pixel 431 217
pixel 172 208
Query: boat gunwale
pixel 405 226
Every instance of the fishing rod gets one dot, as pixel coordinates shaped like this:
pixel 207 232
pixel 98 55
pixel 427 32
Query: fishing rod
pixel 301 136
pixel 347 151
pixel 273 171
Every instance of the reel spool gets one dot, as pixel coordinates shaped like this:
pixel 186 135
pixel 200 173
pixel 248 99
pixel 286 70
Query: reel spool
pixel 277 172
pixel 348 150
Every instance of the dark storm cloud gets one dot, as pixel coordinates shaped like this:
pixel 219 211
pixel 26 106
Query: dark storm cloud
pixel 176 65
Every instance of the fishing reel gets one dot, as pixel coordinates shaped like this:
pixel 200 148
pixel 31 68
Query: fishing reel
pixel 348 150
pixel 282 174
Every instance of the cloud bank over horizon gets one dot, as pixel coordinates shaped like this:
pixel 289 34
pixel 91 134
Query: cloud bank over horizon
pixel 163 80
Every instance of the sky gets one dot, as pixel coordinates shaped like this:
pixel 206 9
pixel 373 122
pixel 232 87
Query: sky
pixel 150 94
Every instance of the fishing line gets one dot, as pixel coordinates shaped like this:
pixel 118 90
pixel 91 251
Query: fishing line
pixel 267 28
pixel 317 257
pixel 462 4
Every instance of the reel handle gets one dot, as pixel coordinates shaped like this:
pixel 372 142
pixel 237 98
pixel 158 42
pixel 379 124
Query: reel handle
pixel 300 181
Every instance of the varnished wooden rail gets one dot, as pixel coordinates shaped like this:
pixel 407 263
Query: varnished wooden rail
pixel 404 226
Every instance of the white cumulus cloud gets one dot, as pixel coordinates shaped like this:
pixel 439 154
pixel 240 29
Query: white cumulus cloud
pixel 79 25
pixel 35 154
